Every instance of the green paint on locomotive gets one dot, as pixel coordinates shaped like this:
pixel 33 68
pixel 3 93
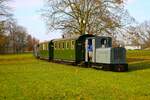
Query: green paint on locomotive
pixel 118 55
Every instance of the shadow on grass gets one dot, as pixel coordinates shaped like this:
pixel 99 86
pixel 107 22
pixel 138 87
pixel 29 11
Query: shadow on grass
pixel 139 65
pixel 135 60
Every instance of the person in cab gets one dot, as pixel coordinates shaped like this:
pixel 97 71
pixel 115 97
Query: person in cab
pixel 90 50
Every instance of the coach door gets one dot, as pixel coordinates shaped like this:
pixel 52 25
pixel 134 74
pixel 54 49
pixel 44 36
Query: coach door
pixel 51 50
pixel 90 49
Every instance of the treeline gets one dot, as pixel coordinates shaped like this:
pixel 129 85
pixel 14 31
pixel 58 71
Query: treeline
pixel 140 34
pixel 14 38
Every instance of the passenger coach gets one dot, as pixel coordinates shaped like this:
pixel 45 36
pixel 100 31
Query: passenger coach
pixel 76 51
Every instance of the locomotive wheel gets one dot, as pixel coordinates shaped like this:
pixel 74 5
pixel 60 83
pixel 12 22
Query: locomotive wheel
pixel 121 68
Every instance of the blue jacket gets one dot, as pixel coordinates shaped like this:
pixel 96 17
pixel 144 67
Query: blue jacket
pixel 90 48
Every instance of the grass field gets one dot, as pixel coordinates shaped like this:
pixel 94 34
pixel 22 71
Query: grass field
pixel 22 77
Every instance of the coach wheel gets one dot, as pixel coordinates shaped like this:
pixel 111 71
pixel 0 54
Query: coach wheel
pixel 120 68
pixel 107 68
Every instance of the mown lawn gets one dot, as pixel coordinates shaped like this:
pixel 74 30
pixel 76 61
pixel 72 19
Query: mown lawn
pixel 22 77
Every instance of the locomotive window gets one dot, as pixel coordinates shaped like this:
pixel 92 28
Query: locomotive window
pixel 103 43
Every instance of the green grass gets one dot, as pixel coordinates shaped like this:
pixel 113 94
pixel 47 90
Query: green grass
pixel 22 77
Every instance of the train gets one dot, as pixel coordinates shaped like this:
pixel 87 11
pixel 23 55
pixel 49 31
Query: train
pixel 85 50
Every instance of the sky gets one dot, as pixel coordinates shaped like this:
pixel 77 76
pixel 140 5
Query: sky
pixel 139 9
pixel 27 14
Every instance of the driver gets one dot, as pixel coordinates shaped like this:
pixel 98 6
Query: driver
pixel 90 50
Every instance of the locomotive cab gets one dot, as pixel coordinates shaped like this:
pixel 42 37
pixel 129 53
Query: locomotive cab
pixel 103 54
pixel 96 43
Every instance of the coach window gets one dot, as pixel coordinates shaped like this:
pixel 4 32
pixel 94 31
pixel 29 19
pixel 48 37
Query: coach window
pixel 43 47
pixel 46 46
pixel 72 44
pixel 63 45
pixel 55 45
pixel 60 45
pixel 67 43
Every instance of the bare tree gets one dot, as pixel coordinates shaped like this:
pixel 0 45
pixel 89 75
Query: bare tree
pixel 81 16
pixel 143 31
pixel 18 37
pixel 2 30
pixel 5 10
pixel 4 16
pixel 139 34
pixel 13 37
pixel 31 42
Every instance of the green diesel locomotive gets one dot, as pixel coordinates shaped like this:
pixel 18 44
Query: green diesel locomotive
pixel 87 50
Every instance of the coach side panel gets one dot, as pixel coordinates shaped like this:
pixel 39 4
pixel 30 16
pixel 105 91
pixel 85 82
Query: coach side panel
pixel 64 50
pixel 43 50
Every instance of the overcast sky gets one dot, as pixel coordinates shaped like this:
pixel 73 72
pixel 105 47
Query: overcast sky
pixel 27 14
